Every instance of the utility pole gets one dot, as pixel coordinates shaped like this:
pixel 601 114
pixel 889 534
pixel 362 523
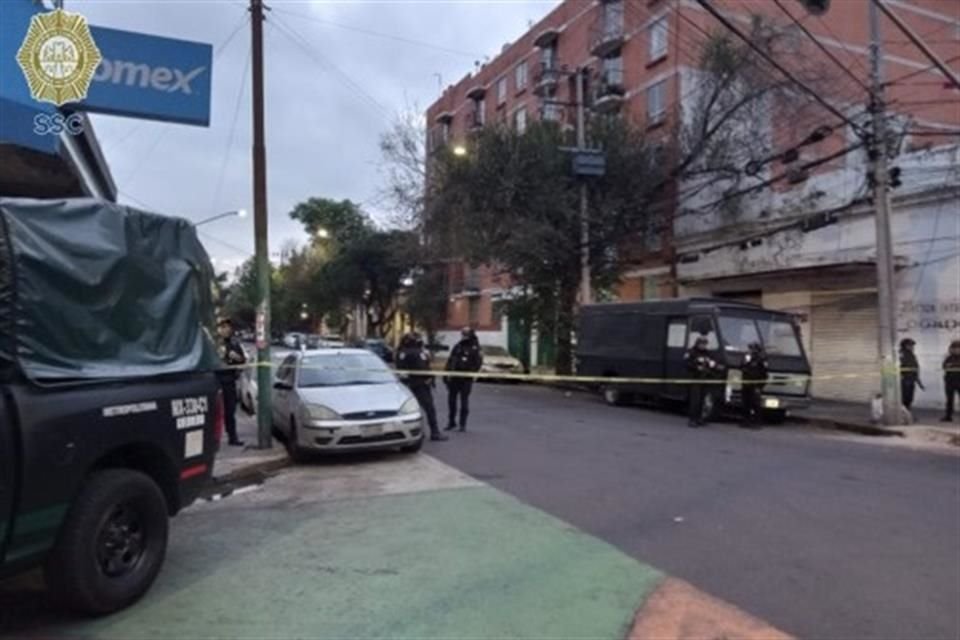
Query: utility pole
pixel 264 371
pixel 586 296
pixel 886 292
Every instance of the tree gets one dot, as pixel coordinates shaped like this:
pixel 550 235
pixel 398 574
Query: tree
pixel 404 166
pixel 513 201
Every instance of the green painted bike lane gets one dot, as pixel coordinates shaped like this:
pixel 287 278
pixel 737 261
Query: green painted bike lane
pixel 450 563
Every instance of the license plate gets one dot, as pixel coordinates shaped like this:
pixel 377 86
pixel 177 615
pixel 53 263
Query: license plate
pixel 368 430
pixel 771 403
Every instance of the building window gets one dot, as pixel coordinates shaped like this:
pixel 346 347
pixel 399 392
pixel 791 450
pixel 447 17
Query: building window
pixel 479 114
pixel 445 132
pixel 613 18
pixel 502 91
pixel 520 119
pixel 659 33
pixel 473 311
pixel 520 76
pixel 613 71
pixel 552 112
pixel 657 102
pixel 548 57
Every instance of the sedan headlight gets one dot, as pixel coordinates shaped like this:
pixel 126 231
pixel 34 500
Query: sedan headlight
pixel 410 407
pixel 320 412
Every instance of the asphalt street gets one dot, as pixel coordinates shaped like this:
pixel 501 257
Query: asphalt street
pixel 821 536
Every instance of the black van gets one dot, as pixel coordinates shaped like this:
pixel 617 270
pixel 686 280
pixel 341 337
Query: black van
pixel 648 340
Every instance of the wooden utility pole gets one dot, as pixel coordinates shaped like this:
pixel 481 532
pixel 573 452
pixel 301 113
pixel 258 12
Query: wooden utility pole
pixel 586 294
pixel 264 372
pixel 886 284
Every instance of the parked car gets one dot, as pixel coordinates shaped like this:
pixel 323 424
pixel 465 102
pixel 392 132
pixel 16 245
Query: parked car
pixel 498 360
pixel 377 346
pixel 247 381
pixel 294 340
pixel 333 400
pixel 648 340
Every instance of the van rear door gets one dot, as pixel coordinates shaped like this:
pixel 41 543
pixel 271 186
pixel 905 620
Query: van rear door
pixel 674 367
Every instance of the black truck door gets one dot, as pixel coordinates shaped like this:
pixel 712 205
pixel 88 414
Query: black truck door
pixel 674 367
pixel 7 477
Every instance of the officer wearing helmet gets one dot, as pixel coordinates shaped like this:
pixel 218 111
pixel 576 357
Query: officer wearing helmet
pixel 754 378
pixel 701 367
pixel 466 357
pixel 909 372
pixel 413 357
pixel 951 378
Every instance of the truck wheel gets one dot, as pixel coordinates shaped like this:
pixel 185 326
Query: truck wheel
pixel 112 544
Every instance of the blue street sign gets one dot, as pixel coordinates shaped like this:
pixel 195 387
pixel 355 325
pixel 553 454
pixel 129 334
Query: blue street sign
pixel 146 76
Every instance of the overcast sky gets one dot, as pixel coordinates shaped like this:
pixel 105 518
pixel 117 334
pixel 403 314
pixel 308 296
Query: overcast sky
pixel 322 125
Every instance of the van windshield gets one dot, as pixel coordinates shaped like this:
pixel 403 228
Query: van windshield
pixel 778 337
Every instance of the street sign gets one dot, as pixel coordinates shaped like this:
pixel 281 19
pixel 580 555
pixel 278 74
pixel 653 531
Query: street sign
pixel 151 77
pixel 589 163
pixel 261 336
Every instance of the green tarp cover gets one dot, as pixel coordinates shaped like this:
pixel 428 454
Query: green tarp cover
pixel 92 289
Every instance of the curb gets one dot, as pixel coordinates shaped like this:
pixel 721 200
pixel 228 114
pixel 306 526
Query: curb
pixel 251 471
pixel 851 427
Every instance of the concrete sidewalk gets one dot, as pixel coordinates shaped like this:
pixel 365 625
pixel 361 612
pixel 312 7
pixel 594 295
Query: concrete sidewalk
pixel 855 417
pixel 236 462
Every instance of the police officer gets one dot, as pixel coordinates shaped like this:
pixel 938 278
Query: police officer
pixel 232 355
pixel 951 378
pixel 754 378
pixel 412 357
pixel 701 367
pixel 465 357
pixel 909 372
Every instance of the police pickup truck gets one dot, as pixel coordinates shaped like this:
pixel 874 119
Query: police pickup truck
pixel 110 414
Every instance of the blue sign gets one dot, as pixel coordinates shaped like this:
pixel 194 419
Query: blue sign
pixel 17 107
pixel 145 76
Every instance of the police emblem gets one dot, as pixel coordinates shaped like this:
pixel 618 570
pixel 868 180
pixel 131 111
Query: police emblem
pixel 58 57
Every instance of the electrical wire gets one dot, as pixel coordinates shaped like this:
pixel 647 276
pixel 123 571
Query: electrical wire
pixel 377 34
pixel 928 69
pixel 233 130
pixel 326 64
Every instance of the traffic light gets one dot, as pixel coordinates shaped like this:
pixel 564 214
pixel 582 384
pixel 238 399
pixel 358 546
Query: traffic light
pixel 816 7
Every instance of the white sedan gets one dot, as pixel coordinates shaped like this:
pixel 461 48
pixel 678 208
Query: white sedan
pixel 343 400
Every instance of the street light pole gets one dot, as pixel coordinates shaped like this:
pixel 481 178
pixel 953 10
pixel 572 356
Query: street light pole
pixel 886 294
pixel 264 373
pixel 240 213
pixel 585 290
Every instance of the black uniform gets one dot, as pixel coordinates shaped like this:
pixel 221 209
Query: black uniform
pixel 754 378
pixel 701 367
pixel 232 355
pixel 909 376
pixel 465 357
pixel 414 358
pixel 951 381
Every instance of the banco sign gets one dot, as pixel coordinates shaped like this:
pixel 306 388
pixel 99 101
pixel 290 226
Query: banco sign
pixel 146 76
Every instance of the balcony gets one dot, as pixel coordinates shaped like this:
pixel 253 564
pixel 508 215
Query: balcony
pixel 477 92
pixel 608 34
pixel 546 79
pixel 475 119
pixel 610 92
pixel 547 38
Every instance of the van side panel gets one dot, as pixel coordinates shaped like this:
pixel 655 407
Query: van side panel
pixel 8 472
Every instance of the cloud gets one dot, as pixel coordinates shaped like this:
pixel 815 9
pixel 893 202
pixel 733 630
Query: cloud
pixel 332 89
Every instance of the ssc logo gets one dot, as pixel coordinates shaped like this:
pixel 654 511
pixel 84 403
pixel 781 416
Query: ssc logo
pixel 57 123
pixel 58 57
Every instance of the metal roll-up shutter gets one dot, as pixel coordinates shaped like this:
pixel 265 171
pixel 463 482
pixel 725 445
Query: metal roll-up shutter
pixel 844 343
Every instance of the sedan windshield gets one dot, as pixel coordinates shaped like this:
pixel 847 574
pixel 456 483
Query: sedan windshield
pixel 343 369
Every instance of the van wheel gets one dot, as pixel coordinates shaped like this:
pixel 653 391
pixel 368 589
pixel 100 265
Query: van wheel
pixel 112 544
pixel 615 397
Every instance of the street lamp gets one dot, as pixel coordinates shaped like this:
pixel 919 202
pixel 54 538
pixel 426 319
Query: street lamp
pixel 459 151
pixel 240 213
pixel 323 233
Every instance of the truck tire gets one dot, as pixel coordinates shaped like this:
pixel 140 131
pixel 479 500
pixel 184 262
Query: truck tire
pixel 111 545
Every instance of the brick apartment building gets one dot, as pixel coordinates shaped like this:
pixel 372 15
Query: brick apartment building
pixel 643 58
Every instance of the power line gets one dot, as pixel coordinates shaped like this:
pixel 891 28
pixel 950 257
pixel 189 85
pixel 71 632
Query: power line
pixel 763 54
pixel 377 34
pixel 301 42
pixel 233 130
pixel 928 69
pixel 821 46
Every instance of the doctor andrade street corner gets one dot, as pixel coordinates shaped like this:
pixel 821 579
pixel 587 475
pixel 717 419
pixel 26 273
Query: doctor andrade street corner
pixel 546 320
